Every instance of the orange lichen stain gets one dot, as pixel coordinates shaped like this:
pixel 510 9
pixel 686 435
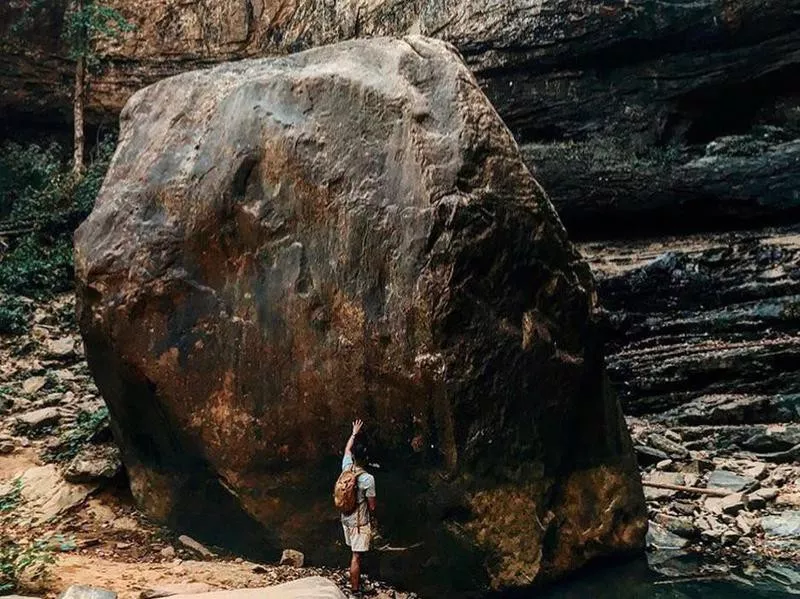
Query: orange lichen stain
pixel 225 427
pixel 506 523
pixel 601 511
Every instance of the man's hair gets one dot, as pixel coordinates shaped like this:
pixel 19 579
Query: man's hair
pixel 360 453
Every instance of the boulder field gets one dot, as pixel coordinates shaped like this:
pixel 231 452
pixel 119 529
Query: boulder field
pixel 282 245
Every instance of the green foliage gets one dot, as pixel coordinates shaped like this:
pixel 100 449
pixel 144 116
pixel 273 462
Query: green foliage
pixel 43 202
pixel 93 21
pixel 87 426
pixel 11 499
pixel 14 315
pixel 17 559
pixel 84 23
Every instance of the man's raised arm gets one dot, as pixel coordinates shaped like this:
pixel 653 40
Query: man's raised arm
pixel 348 449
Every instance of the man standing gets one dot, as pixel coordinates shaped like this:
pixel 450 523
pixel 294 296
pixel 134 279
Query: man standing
pixel 358 525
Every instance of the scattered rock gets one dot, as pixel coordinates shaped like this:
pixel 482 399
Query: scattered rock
pixel 723 479
pixel 33 384
pixel 77 591
pixel 312 587
pixel 664 465
pixel 744 523
pixel 292 557
pixel 198 548
pixel 785 524
pixel 46 493
pixel 61 348
pixel 679 526
pixel 6 446
pixel 755 502
pixel 671 478
pixel 732 504
pixel 669 447
pixel 36 421
pixel 659 537
pixel 168 552
pixel 697 467
pixel 94 463
pixel 788 499
pixel 767 493
pixel 757 471
pixel 169 590
pixel 647 456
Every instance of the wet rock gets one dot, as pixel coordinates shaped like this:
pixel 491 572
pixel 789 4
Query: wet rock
pixel 292 557
pixel 785 524
pixel 85 592
pixel 94 463
pixel 308 233
pixel 723 479
pixel 196 547
pixel 659 537
pixel 34 422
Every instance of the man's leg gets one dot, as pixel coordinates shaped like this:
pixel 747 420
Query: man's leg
pixel 355 571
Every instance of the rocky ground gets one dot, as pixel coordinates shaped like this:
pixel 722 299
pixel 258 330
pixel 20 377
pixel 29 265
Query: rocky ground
pixel 733 454
pixel 703 340
pixel 62 488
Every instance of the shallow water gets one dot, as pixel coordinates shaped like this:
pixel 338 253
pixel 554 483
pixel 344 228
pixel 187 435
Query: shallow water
pixel 681 577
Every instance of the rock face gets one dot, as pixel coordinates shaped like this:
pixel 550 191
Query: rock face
pixel 704 330
pixel 282 245
pixel 625 107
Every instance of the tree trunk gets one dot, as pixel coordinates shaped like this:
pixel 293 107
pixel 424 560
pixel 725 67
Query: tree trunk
pixel 77 111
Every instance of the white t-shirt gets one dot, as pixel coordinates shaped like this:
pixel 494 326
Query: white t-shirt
pixel 366 488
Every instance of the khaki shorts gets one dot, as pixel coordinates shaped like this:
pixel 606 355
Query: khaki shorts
pixel 357 538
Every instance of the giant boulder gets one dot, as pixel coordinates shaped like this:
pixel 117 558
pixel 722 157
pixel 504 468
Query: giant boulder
pixel 283 245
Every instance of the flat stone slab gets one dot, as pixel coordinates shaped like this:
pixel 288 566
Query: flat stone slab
pixel 785 524
pixel 722 479
pixel 77 591
pixel 312 587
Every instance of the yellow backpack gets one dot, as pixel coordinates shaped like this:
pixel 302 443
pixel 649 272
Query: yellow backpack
pixel 345 491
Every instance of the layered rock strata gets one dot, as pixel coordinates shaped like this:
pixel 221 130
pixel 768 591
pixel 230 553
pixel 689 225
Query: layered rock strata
pixel 634 113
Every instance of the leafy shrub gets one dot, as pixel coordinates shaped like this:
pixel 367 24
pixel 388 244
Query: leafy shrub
pixel 41 204
pixel 14 315
pixel 87 427
pixel 16 559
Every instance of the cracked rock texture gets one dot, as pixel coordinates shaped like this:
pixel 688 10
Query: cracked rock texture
pixel 634 113
pixel 282 245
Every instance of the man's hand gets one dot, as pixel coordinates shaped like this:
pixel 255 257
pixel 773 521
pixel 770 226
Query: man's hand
pixel 357 427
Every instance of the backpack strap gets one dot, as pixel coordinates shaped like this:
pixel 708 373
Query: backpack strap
pixel 358 471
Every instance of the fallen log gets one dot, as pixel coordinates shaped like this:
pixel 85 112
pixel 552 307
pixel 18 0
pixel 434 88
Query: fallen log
pixel 698 490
